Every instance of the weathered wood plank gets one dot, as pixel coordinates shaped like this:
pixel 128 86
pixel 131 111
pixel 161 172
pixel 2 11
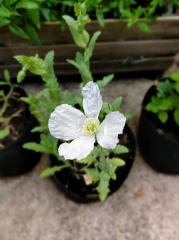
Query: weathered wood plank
pixel 107 66
pixel 114 30
pixel 103 51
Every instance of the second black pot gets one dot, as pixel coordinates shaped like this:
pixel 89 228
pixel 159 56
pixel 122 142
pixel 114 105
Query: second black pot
pixel 159 150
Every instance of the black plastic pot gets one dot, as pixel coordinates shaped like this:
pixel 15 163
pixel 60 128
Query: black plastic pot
pixel 14 159
pixel 74 192
pixel 158 148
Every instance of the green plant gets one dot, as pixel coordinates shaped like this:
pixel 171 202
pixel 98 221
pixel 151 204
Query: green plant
pixel 101 164
pixel 166 100
pixel 25 17
pixel 6 95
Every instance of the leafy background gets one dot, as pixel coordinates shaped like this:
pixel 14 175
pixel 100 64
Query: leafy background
pixel 24 17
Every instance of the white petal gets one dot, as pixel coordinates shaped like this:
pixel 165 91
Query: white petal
pixel 92 100
pixel 65 122
pixel 113 124
pixel 78 148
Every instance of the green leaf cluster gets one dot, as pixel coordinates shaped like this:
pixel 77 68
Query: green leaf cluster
pixel 166 100
pixel 25 17
pixel 101 166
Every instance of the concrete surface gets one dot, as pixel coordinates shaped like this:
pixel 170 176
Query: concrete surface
pixel 145 208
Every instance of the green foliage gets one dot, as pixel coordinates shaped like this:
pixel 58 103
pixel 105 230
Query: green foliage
pixel 101 167
pixel 166 100
pixel 50 171
pixel 82 39
pixel 4 133
pixel 25 17
pixel 35 64
pixel 107 107
pixel 44 102
pixel 101 164
pixel 105 81
pixel 5 97
pixel 79 34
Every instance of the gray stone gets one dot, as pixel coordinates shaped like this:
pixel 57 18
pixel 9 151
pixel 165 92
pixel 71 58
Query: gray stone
pixel 146 207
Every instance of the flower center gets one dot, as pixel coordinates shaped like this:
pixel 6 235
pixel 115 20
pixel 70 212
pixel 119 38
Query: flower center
pixel 91 125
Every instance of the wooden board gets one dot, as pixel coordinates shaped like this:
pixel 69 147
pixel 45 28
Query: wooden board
pixel 107 66
pixel 114 30
pixel 119 48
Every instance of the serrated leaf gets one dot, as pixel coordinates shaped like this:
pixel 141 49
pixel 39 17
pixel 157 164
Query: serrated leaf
pixel 120 149
pixel 35 65
pixel 114 164
pixel 93 173
pixel 105 81
pixel 40 129
pixel 89 51
pixel 87 160
pixel 117 162
pixel 81 38
pixel 50 171
pixel 103 187
pixel 116 104
pixel 37 147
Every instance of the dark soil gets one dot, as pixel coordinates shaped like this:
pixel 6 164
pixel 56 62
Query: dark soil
pixel 17 124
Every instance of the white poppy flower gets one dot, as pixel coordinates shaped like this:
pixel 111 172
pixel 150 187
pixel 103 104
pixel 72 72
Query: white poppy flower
pixel 70 124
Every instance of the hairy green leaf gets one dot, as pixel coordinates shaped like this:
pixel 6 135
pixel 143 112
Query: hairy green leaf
pixel 50 171
pixel 120 149
pixel 105 81
pixel 103 187
pixel 81 38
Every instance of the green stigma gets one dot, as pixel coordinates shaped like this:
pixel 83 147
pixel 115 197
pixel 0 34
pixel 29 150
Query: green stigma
pixel 91 128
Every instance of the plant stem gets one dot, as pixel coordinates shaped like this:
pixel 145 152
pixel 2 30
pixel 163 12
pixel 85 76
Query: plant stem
pixel 6 99
pixel 8 119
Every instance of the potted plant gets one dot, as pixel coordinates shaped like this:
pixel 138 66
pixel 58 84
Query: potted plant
pixel 16 122
pixel 120 49
pixel 103 170
pixel 85 172
pixel 158 133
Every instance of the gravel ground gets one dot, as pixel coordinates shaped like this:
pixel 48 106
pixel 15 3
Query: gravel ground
pixel 145 208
